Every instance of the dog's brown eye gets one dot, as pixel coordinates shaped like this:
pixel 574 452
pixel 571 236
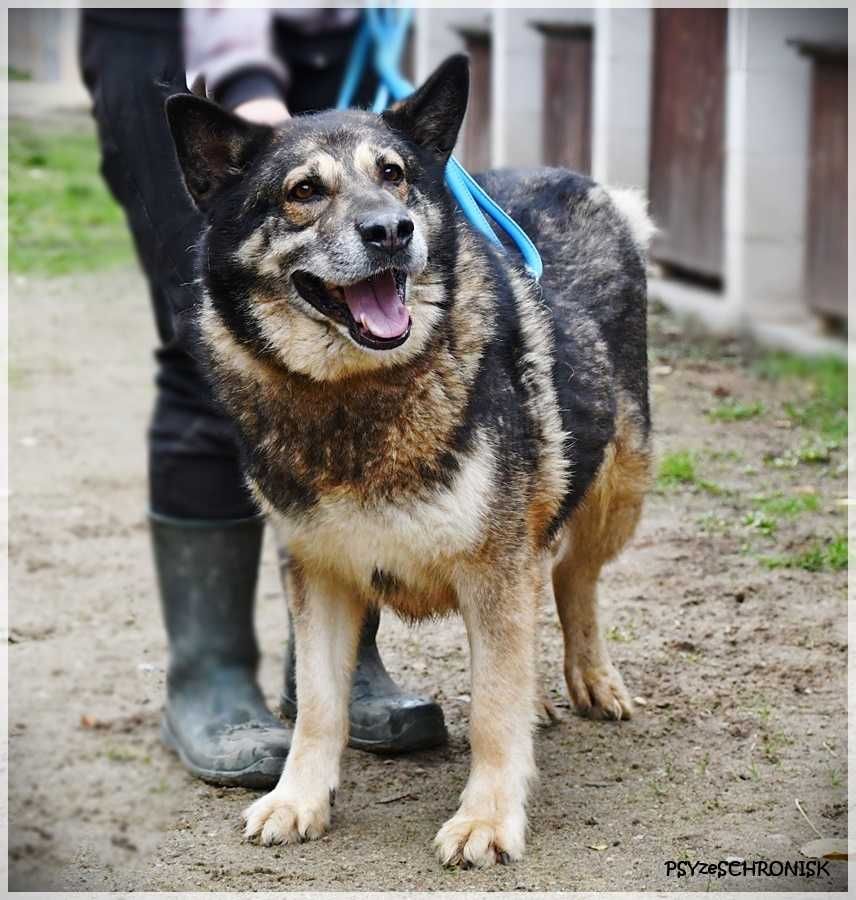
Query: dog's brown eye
pixel 392 173
pixel 305 190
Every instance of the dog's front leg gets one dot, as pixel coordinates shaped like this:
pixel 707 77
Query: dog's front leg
pixel 326 626
pixel 490 825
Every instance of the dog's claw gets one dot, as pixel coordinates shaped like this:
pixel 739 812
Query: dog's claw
pixel 274 820
pixel 598 691
pixel 478 843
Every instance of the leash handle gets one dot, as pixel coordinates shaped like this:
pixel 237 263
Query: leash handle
pixel 387 31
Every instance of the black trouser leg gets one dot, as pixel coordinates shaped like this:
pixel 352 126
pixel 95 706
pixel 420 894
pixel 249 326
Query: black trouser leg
pixel 197 491
pixel 206 533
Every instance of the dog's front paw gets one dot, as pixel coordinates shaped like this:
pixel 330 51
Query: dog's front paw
pixel 597 690
pixel 277 819
pixel 471 841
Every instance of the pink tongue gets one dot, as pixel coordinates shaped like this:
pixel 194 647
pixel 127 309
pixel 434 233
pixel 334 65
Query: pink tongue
pixel 374 304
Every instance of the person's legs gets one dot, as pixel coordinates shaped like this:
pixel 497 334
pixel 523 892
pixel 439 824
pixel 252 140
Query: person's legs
pixel 219 725
pixel 383 717
pixel 206 531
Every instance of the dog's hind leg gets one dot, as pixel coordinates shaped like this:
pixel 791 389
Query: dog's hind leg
pixel 597 531
pixel 327 624
pixel 594 684
pixel 499 609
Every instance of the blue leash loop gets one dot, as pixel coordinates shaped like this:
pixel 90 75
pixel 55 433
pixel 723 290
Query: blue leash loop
pixel 385 31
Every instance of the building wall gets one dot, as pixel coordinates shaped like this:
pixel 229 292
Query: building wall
pixel 517 69
pixel 622 96
pixel 766 152
pixel 767 119
pixel 43 43
pixel 767 131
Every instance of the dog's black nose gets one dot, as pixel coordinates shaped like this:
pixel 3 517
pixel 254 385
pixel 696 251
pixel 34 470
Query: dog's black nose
pixel 386 231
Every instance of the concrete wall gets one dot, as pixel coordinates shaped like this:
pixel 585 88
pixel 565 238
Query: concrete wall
pixel 436 35
pixel 767 103
pixel 517 98
pixel 518 68
pixel 767 131
pixel 621 108
pixel 767 119
pixel 43 43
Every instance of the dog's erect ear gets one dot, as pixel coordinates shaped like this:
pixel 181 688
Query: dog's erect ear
pixel 213 146
pixel 432 115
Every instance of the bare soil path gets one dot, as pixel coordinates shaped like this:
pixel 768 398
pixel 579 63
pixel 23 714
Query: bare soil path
pixel 742 667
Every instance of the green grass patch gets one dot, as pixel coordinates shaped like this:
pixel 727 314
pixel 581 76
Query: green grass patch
pixel 759 521
pixel 733 411
pixel 815 454
pixel 781 505
pixel 824 410
pixel 820 556
pixel 678 469
pixel 61 217
pixel 812 453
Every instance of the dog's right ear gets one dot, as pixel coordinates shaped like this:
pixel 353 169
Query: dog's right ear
pixel 214 146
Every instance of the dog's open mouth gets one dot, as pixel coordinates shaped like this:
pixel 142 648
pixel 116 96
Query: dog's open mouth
pixel 373 310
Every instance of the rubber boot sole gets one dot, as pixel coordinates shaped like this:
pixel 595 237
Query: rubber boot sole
pixel 422 731
pixel 263 773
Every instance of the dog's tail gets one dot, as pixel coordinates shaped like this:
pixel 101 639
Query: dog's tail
pixel 632 206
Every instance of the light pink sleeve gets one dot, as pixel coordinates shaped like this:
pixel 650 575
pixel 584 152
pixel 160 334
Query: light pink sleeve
pixel 220 43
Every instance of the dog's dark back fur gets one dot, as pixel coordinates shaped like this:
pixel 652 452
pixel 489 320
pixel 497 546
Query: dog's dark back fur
pixel 594 285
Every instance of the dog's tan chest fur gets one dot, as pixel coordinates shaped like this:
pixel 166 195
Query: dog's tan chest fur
pixel 403 552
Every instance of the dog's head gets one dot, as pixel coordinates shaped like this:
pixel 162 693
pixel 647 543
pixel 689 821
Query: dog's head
pixel 329 238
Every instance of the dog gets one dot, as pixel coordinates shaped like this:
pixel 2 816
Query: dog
pixel 427 427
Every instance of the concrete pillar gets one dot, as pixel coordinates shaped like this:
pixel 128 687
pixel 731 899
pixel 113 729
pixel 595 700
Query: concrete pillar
pixel 436 37
pixel 69 36
pixel 518 89
pixel 767 132
pixel 622 96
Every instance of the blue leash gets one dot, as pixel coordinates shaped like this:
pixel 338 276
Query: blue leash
pixel 385 30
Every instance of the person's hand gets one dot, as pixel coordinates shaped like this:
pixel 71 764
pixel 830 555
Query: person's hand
pixel 263 111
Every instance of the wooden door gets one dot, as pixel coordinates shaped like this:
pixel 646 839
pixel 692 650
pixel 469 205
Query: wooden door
pixel 826 239
pixel 566 126
pixel 688 139
pixel 477 123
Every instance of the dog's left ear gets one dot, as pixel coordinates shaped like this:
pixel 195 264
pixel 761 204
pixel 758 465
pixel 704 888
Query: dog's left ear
pixel 214 146
pixel 432 115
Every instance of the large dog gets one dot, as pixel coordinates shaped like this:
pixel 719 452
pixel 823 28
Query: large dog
pixel 428 428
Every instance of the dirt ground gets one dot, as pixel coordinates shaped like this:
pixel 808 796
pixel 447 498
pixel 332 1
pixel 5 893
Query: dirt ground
pixel 742 668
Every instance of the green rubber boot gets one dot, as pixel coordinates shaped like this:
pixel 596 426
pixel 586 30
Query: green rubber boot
pixel 216 718
pixel 383 718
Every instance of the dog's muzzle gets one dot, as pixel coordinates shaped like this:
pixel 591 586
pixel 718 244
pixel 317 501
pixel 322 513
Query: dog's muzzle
pixel 373 310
